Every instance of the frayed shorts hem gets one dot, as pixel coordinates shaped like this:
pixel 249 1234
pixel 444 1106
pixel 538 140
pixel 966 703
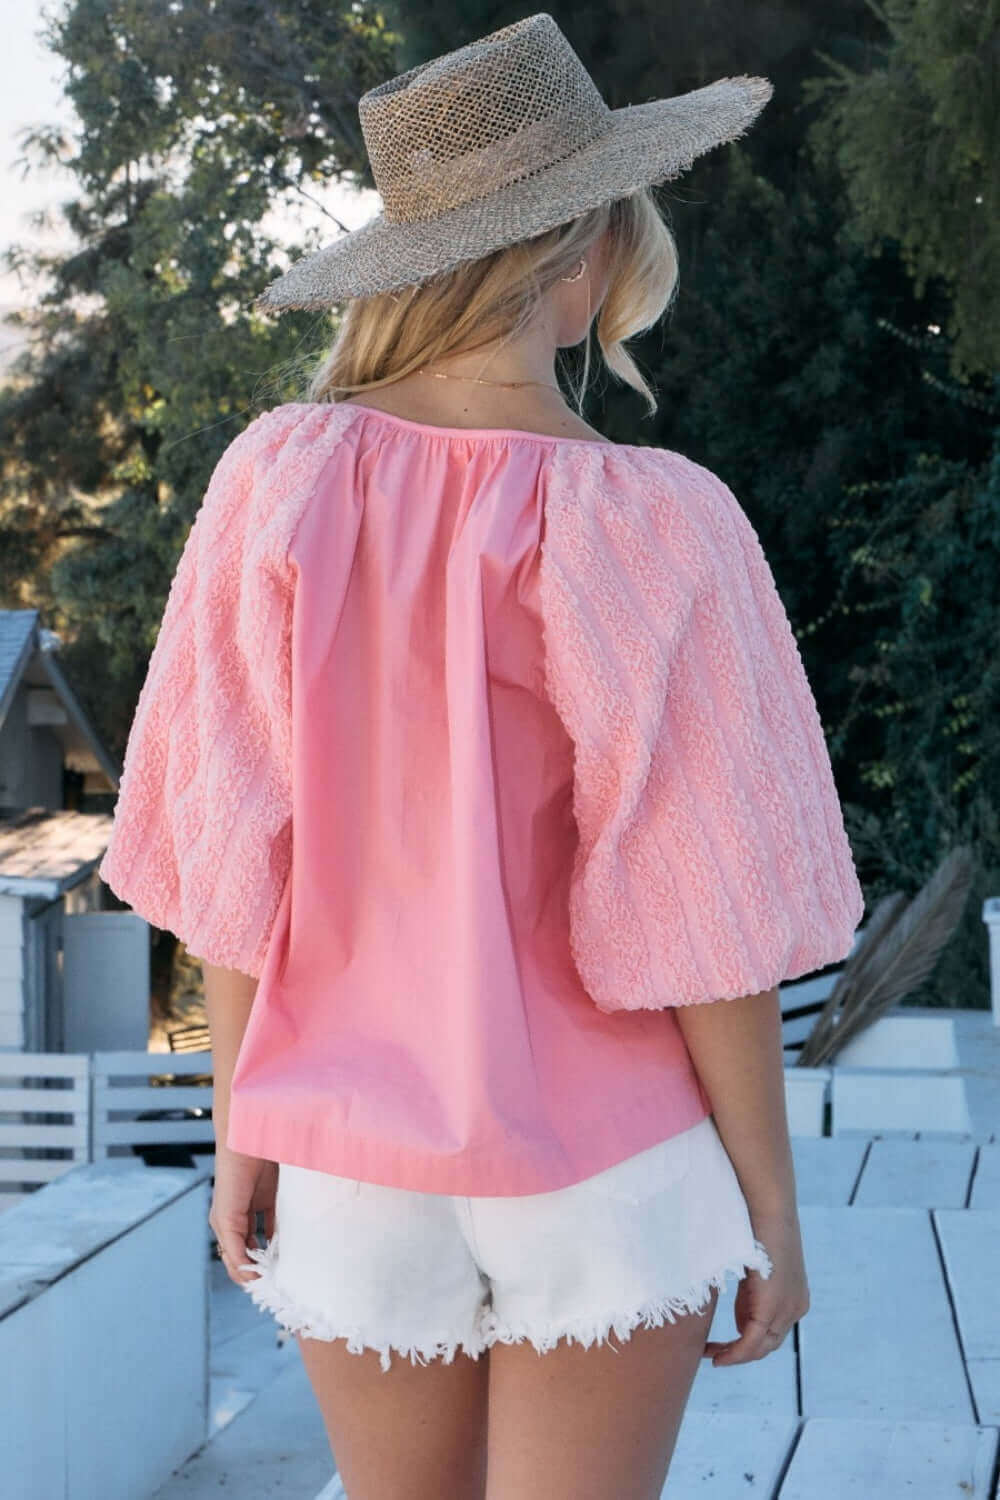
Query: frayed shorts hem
pixel 267 1293
pixel 650 1314
pixel 489 1328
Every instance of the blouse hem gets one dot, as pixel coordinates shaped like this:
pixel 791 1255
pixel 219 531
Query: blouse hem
pixel 490 1172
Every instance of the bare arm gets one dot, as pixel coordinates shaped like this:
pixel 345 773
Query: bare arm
pixel 229 996
pixel 244 1185
pixel 735 1046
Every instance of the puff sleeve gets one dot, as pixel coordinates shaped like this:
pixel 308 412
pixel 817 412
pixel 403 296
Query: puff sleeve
pixel 712 860
pixel 201 836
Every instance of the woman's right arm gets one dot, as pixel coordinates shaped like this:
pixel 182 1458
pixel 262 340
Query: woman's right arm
pixel 229 997
pixel 244 1185
pixel 736 1049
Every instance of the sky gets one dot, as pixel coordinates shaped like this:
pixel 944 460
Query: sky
pixel 31 95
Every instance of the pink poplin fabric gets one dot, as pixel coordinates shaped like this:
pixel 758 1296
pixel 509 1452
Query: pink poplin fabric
pixel 482 751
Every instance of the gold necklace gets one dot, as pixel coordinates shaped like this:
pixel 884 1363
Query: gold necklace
pixel 510 384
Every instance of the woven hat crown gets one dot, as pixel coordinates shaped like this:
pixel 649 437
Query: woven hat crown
pixel 495 143
pixel 459 127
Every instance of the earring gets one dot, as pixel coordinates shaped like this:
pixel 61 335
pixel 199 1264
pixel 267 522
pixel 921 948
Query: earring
pixel 576 274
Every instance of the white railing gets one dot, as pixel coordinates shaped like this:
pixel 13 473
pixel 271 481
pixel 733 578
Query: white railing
pixel 58 1110
pixel 119 1100
pixel 45 1115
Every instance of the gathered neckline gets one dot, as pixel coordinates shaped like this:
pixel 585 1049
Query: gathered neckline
pixel 433 430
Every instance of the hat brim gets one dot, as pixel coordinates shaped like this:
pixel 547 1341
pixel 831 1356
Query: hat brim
pixel 644 144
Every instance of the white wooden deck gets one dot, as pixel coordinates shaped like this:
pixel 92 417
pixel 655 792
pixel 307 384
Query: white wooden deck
pixel 889 1387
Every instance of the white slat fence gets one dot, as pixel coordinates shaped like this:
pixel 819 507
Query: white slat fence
pixel 127 1085
pixel 44 1119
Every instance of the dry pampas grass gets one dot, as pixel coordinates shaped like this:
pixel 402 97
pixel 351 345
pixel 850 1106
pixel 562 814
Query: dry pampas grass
pixel 902 943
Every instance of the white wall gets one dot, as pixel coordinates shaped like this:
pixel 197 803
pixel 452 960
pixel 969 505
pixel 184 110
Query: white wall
pixel 11 972
pixel 106 981
pixel 105 1390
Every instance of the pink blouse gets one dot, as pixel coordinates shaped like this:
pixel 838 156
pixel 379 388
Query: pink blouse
pixel 350 776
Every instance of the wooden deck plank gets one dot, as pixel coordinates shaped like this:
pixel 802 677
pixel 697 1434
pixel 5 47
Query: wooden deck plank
pixel 916 1174
pixel 334 1490
pixel 986 1182
pixel 767 1387
pixel 984 1375
pixel 827 1167
pixel 969 1239
pixel 969 1243
pixel 275 1449
pixel 720 1456
pixel 977 1038
pixel 887 1101
pixel 878 1340
pixel 883 1460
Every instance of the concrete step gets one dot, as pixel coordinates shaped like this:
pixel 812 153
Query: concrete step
pixel 275 1447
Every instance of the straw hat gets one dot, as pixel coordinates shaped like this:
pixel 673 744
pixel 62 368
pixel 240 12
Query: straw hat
pixel 496 142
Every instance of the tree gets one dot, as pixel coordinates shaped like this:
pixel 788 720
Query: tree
pixel 144 358
pixel 915 137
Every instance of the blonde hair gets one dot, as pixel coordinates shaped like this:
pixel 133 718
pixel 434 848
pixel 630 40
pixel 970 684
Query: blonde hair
pixel 384 337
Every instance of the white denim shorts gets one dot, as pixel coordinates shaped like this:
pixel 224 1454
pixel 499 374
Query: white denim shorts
pixel 426 1274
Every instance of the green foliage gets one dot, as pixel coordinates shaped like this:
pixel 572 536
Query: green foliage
pixel 915 140
pixel 144 358
pixel 918 560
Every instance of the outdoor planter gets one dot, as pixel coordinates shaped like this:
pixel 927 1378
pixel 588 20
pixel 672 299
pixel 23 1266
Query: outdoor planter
pixel 103 1331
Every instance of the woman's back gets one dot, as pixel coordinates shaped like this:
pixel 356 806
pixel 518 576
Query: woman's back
pixel 419 1021
pixel 484 750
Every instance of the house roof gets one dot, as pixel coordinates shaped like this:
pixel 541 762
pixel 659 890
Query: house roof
pixel 28 657
pixel 17 637
pixel 46 851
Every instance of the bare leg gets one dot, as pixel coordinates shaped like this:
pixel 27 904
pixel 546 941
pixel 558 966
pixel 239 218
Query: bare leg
pixel 412 1432
pixel 586 1424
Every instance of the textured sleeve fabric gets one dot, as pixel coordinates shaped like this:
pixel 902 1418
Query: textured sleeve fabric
pixel 712 859
pixel 201 838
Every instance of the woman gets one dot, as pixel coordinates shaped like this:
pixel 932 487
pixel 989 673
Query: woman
pixel 475 760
